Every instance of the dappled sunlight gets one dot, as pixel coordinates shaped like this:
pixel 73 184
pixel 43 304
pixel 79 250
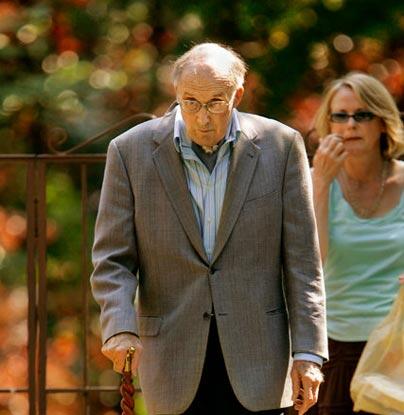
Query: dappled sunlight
pixel 72 69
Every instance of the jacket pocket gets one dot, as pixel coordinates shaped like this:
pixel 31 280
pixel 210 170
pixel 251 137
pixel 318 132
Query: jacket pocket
pixel 258 196
pixel 149 326
pixel 266 200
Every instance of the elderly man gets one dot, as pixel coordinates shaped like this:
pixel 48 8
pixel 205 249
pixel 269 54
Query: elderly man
pixel 206 213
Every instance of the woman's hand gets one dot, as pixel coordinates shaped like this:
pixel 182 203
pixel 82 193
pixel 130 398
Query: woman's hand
pixel 328 159
pixel 401 279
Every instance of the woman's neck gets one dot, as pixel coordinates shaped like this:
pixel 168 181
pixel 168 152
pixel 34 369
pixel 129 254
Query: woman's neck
pixel 364 169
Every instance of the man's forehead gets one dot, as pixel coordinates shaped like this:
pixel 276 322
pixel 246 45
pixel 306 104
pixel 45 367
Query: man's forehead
pixel 204 78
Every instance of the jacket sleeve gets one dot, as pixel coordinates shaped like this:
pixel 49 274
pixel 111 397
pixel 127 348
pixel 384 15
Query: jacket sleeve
pixel 115 260
pixel 303 278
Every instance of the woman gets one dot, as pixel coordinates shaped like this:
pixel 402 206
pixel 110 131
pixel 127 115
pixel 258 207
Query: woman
pixel 358 188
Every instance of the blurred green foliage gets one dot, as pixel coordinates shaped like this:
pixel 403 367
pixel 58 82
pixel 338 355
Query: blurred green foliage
pixel 69 69
pixel 72 68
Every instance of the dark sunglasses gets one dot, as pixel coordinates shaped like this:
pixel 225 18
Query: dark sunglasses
pixel 359 116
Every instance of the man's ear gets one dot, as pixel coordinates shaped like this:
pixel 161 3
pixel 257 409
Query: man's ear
pixel 238 96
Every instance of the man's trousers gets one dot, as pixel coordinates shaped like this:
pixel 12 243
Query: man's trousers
pixel 215 395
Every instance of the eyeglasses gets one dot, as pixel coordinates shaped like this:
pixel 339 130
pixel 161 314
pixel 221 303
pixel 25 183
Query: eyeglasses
pixel 359 116
pixel 193 106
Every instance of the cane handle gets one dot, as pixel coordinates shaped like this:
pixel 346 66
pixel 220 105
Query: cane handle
pixel 128 359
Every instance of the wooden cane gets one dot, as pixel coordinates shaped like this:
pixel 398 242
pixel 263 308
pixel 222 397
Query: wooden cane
pixel 127 389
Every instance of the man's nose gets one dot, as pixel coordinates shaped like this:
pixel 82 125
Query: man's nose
pixel 203 116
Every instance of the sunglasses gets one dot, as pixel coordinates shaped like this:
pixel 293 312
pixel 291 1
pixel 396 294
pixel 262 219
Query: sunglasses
pixel 359 116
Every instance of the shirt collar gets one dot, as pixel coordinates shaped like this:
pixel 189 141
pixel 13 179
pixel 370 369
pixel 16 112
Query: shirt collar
pixel 181 141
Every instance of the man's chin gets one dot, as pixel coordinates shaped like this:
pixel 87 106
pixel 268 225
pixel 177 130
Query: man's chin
pixel 206 139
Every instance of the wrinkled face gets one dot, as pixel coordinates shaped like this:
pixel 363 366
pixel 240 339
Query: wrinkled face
pixel 205 85
pixel 358 137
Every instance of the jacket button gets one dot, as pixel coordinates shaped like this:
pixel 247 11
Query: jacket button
pixel 212 271
pixel 207 316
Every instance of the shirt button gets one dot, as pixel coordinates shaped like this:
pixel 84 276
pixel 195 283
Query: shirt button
pixel 209 220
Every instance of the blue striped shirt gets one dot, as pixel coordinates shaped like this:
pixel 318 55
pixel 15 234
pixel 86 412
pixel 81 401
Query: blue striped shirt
pixel 207 189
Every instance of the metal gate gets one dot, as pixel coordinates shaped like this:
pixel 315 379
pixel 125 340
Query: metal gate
pixel 36 266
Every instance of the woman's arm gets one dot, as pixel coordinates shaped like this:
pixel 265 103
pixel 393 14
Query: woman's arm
pixel 321 191
pixel 327 162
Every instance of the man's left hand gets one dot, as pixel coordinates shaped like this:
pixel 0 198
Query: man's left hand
pixel 306 380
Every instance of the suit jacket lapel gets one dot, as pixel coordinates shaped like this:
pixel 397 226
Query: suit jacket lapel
pixel 243 161
pixel 169 166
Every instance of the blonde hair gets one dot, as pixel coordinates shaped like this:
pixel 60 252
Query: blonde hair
pixel 378 100
pixel 217 56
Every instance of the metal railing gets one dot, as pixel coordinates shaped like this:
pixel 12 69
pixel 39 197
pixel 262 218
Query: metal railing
pixel 36 266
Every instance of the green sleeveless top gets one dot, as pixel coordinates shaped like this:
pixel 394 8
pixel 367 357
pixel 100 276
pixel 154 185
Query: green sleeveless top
pixel 365 258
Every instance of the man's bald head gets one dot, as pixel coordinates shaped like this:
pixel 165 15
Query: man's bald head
pixel 211 57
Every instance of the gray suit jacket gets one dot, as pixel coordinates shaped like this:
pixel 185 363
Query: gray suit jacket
pixel 264 280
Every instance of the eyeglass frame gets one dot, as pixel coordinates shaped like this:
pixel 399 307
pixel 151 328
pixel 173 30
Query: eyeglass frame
pixel 206 105
pixel 368 116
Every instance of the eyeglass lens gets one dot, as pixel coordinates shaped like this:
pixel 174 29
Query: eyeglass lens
pixel 191 105
pixel 218 106
pixel 359 116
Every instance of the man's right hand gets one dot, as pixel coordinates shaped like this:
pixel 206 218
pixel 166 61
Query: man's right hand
pixel 116 347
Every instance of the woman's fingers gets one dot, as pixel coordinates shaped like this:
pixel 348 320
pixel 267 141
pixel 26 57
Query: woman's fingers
pixel 329 157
